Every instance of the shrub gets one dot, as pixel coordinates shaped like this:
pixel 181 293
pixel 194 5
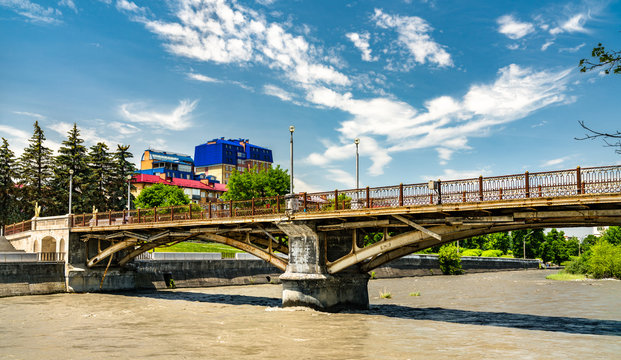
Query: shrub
pixel 385 294
pixel 492 253
pixel 472 252
pixel 605 260
pixel 449 259
pixel 578 264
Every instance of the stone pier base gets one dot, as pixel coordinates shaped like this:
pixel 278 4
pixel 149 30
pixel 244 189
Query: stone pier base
pixel 325 292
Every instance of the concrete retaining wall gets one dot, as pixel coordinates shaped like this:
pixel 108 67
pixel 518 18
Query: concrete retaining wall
pixel 28 278
pixel 31 278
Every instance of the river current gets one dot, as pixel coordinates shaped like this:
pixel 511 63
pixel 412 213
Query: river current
pixel 500 315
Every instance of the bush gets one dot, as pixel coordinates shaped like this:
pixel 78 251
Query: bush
pixel 578 265
pixel 605 260
pixel 492 253
pixel 472 252
pixel 450 261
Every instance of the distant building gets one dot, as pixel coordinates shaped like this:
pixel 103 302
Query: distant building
pixel 199 191
pixel 219 157
pixel 171 165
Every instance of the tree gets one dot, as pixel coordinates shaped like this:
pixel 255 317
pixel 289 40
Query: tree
pixel 99 188
pixel 607 59
pixel 35 172
pixel 8 191
pixel 257 184
pixel 554 248
pixel 498 241
pixel 594 134
pixel 121 169
pixel 450 260
pixel 534 239
pixel 612 235
pixel 160 195
pixel 71 157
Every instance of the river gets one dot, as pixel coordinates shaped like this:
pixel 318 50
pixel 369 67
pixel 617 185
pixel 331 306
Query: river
pixel 502 315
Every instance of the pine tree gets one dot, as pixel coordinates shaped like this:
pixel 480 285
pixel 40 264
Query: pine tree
pixel 100 184
pixel 35 173
pixel 8 190
pixel 122 168
pixel 71 156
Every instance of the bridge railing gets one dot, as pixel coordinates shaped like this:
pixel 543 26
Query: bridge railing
pixel 593 180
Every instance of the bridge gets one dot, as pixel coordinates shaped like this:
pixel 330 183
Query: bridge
pixel 321 240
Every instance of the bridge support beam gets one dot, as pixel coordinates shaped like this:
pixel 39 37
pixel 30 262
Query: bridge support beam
pixel 306 281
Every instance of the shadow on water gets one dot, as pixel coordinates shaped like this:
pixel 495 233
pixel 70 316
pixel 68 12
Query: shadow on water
pixel 207 298
pixel 571 325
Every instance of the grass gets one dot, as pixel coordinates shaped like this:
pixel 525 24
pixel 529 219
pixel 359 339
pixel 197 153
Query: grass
pixel 417 293
pixel 198 247
pixel 561 276
pixel 385 294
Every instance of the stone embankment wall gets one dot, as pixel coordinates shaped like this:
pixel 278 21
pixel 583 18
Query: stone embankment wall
pixel 21 278
pixel 31 278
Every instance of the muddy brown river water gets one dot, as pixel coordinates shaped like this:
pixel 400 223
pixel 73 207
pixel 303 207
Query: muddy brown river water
pixel 502 315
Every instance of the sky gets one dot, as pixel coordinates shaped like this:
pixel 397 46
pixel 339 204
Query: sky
pixel 433 89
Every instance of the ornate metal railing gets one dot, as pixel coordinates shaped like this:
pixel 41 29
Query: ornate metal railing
pixel 18 227
pixel 574 182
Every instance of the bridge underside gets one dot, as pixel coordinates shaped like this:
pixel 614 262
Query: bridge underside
pixel 323 255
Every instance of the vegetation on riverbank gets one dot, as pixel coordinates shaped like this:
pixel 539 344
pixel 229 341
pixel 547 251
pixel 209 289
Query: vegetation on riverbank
pixel 602 260
pixel 563 276
pixel 198 247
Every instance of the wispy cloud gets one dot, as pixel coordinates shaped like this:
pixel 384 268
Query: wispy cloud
pixel 391 126
pixel 573 49
pixel 413 34
pixel 68 3
pixel 90 136
pixel 571 25
pixel 555 162
pixel 30 114
pixel 177 119
pixel 361 42
pixel 512 28
pixel 33 11
pixel 452 174
pixel 274 90
pixel 203 78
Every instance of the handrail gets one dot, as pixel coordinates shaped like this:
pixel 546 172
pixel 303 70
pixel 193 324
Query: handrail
pixel 569 182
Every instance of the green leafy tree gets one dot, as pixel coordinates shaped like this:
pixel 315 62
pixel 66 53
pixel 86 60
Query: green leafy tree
pixel 605 260
pixel 256 184
pixel 609 60
pixel 71 156
pixel 122 168
pixel 588 241
pixel 533 238
pixel 450 260
pixel 100 182
pixel 475 242
pixel 612 235
pixel 160 195
pixel 554 248
pixel 572 247
pixel 498 241
pixel 34 174
pixel 8 191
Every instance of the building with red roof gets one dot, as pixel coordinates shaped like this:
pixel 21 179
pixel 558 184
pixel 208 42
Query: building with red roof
pixel 199 191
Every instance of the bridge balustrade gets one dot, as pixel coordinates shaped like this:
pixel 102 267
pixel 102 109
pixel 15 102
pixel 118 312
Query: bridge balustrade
pixel 595 180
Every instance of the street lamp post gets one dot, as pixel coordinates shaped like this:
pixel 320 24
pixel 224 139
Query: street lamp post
pixel 291 130
pixel 129 194
pixel 70 188
pixel 357 141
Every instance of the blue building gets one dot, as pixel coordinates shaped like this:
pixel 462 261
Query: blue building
pixel 168 164
pixel 219 157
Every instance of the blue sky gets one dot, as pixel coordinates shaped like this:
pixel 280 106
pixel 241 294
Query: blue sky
pixel 434 89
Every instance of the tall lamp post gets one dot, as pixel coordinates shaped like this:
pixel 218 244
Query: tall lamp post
pixel 357 141
pixel 291 130
pixel 70 188
pixel 129 194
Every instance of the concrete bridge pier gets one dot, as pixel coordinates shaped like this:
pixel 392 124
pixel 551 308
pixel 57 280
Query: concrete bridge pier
pixel 306 281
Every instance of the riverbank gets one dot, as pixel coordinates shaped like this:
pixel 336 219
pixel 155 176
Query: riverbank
pixel 494 315
pixel 24 278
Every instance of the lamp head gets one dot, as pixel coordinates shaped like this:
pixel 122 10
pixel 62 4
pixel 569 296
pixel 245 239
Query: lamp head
pixel 129 177
pixel 291 129
pixel 70 171
pixel 357 141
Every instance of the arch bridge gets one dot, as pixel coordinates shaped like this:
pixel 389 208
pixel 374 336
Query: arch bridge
pixel 320 240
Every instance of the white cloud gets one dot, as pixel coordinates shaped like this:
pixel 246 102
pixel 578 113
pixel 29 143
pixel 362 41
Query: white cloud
pixel 30 114
pixel 203 78
pixel 299 185
pixel 18 139
pixel 452 174
pixel 572 25
pixel 388 126
pixel 68 3
pixel 361 42
pixel 129 6
pixel 547 44
pixel 414 35
pixel 513 28
pixel 215 31
pixel 123 128
pixel 274 90
pixel 343 177
pixel 33 11
pixel 90 136
pixel 555 162
pixel 573 49
pixel 177 119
